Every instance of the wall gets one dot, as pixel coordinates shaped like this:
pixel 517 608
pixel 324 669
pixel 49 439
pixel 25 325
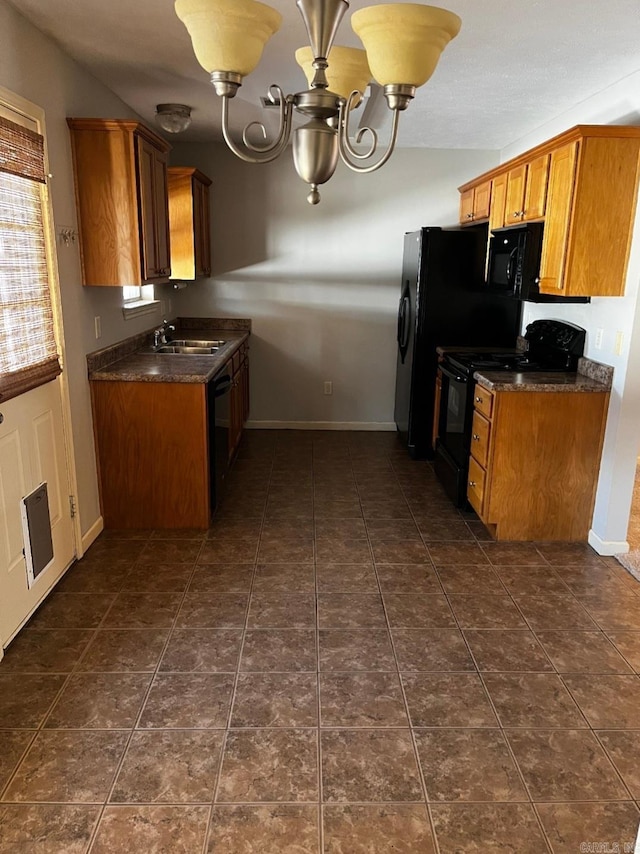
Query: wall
pixel 320 283
pixel 32 66
pixel 619 104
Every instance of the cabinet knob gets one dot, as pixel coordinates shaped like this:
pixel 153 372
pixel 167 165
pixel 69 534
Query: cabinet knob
pixel 472 483
pixel 475 437
pixel 479 399
pixel 469 216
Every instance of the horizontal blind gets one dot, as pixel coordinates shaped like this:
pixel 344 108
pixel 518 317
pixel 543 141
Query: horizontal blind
pixel 28 353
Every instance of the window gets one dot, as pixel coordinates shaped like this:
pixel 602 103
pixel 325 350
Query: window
pixel 138 299
pixel 29 354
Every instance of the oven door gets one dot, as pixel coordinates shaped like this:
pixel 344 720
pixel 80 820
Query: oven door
pixel 453 414
pixel 454 433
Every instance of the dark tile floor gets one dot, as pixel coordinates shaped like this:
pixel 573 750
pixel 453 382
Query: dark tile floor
pixel 342 664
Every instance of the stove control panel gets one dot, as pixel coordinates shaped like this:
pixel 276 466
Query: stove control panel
pixel 549 338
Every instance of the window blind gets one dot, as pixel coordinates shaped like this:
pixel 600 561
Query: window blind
pixel 28 352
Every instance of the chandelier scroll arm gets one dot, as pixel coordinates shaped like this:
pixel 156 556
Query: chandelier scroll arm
pixel 347 151
pixel 253 153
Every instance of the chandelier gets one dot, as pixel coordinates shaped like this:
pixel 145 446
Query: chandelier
pixel 403 43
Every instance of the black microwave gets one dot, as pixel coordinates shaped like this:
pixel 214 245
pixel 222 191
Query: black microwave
pixel 514 264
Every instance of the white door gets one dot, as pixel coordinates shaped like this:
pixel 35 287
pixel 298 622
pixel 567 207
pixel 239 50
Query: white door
pixel 32 450
pixel 35 442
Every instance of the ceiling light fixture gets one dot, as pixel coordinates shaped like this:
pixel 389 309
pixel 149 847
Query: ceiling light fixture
pixel 174 118
pixel 403 43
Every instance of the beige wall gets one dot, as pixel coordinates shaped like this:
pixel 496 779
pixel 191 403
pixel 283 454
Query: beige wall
pixel 321 283
pixel 32 66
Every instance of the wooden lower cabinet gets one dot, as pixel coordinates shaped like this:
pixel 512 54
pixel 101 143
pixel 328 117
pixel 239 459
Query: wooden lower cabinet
pixel 153 455
pixel 152 443
pixel 534 466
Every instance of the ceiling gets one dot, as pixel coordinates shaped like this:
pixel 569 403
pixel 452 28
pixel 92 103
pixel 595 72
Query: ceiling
pixel 514 66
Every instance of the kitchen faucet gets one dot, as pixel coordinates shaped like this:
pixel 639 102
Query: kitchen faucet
pixel 160 334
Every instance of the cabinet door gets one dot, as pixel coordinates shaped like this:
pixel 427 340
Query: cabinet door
pixel 161 203
pixel 154 466
pixel 245 389
pixel 498 201
pixel 516 180
pixel 481 201
pixel 154 219
pixel 558 218
pixel 466 206
pixel 535 195
pixel 201 228
pixel 474 203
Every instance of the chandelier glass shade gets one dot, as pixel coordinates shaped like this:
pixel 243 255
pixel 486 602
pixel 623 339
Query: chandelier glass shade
pixel 348 70
pixel 402 41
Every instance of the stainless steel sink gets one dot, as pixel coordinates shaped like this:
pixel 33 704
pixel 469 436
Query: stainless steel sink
pixel 187 349
pixel 190 342
pixel 190 347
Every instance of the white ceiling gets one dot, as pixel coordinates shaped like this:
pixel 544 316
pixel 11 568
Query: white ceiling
pixel 514 66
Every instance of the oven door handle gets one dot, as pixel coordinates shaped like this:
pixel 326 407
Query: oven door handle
pixel 452 376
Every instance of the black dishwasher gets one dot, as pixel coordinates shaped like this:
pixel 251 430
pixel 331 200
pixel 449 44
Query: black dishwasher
pixel 218 413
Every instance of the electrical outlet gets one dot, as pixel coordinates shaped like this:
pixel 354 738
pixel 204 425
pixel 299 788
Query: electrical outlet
pixel 619 342
pixel 599 335
pixel 328 387
pixel 97 323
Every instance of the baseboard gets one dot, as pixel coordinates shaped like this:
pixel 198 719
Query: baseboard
pixel 607 547
pixel 92 534
pixel 383 426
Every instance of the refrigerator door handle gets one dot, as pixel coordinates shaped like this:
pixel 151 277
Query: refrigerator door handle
pixel 400 331
pixel 403 325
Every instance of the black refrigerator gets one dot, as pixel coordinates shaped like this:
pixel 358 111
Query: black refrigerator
pixel 443 302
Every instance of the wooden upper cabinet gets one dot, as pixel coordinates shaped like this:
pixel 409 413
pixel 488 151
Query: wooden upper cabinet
pixel 498 201
pixel 189 223
pixel 556 226
pixel 535 194
pixel 583 184
pixel 527 191
pixel 120 170
pixel 152 189
pixel 514 208
pixel 590 215
pixel 474 203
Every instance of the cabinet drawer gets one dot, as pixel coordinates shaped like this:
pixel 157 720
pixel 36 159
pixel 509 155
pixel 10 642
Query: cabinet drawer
pixel 480 433
pixel 475 485
pixel 483 401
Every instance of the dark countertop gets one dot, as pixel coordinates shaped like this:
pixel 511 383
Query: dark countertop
pixel 121 363
pixel 539 381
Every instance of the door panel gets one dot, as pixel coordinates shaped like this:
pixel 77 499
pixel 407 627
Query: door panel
pixel 32 450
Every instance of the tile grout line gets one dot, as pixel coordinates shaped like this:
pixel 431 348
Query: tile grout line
pixel 41 727
pixel 223 747
pixel 320 819
pixel 505 739
pixel 143 703
pixel 412 734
